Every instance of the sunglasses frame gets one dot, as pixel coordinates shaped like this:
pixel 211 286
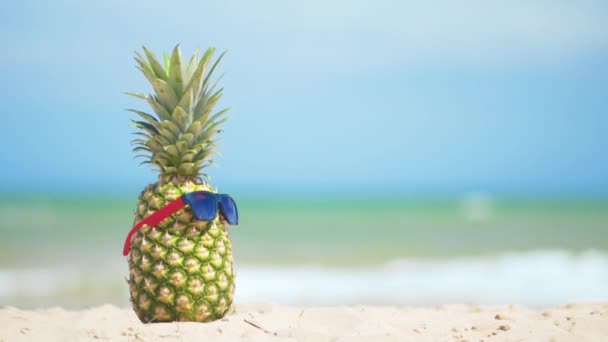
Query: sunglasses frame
pixel 194 199
pixel 223 210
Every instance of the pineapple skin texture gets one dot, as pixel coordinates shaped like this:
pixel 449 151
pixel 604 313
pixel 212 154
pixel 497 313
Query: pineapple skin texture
pixel 181 270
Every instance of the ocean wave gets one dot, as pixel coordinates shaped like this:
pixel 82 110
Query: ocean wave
pixel 535 278
pixel 539 278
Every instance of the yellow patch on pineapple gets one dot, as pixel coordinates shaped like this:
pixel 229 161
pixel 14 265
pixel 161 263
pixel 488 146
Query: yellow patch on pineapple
pixel 160 270
pixel 211 293
pixel 216 260
pixel 202 253
pixel 145 263
pixel 203 313
pixel 137 275
pixel 161 313
pixel 177 278
pixel 183 303
pixel 222 281
pixel 222 306
pixel 192 265
pixel 208 272
pixel 158 252
pixel 144 301
pixel 185 245
pixel 174 259
pixel 165 294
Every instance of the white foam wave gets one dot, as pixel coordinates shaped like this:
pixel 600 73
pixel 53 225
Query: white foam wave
pixel 539 278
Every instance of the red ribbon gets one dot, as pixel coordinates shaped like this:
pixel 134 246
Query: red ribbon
pixel 153 220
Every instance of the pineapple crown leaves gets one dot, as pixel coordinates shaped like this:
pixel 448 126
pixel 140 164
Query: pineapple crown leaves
pixel 179 137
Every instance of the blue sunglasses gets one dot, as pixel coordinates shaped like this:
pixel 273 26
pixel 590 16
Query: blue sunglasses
pixel 205 206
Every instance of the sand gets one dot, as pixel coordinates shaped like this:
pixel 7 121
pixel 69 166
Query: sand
pixel 269 322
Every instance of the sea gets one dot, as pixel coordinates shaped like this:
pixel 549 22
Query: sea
pixel 65 250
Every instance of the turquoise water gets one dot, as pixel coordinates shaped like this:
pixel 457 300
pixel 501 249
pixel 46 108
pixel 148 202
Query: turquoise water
pixel 341 231
pixel 66 250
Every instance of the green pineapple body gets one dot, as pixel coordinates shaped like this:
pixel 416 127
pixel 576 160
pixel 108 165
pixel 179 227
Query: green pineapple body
pixel 181 270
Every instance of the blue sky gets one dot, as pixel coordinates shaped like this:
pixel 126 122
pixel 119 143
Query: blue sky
pixel 431 96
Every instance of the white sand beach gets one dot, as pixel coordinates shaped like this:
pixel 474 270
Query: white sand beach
pixel 270 322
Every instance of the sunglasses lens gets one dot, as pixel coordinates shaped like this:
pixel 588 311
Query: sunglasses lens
pixel 229 210
pixel 203 204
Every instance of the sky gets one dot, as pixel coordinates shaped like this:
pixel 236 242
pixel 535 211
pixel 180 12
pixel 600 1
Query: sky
pixel 392 95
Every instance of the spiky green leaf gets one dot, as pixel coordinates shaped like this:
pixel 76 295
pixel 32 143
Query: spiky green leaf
pixel 188 138
pixel 188 169
pixel 195 83
pixel 167 60
pixel 171 126
pixel 172 150
pixel 158 69
pixel 191 67
pixel 210 73
pixel 141 148
pixel 206 106
pixel 162 113
pixel 138 95
pixel 180 118
pixel 170 170
pixel 187 101
pixel 154 145
pixel 188 156
pixel 166 133
pixel 195 128
pixel 182 146
pixel 149 118
pixel 175 72
pixel 145 126
pixel 138 142
pixel 143 134
pixel 166 95
pixel 217 116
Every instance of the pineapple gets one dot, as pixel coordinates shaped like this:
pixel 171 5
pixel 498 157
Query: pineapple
pixel 182 269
